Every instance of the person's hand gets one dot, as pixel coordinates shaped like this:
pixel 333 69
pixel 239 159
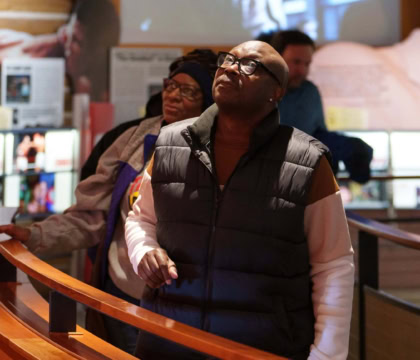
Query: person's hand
pixel 157 269
pixel 16 232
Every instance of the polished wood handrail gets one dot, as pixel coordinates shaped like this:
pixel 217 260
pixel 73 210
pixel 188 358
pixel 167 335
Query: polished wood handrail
pixel 369 233
pixel 131 314
pixel 386 177
pixel 380 230
pixel 31 310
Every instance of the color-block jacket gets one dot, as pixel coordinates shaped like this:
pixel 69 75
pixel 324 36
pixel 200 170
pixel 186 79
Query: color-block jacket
pixel 98 216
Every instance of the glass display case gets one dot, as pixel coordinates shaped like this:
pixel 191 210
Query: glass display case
pixel 405 162
pixel 38 170
pixel 374 194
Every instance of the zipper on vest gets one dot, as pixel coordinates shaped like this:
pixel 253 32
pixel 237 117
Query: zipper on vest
pixel 217 197
pixel 204 158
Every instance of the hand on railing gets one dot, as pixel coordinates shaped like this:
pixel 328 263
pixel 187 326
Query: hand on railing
pixel 157 269
pixel 16 232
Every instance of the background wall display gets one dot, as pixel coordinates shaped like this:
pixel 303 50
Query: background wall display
pixel 229 22
pixel 34 89
pixel 34 16
pixel 38 169
pixel 369 88
pixel 394 152
pixel 136 74
pixel 73 36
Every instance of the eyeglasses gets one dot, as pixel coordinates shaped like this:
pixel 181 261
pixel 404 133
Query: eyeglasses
pixel 189 92
pixel 246 66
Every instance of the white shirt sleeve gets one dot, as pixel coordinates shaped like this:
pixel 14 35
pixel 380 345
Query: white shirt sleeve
pixel 140 226
pixel 331 258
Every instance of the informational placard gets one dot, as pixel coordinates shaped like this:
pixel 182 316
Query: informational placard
pixel 60 150
pixel 34 89
pixel 136 74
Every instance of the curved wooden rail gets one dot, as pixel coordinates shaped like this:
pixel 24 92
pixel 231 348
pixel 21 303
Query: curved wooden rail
pixel 136 316
pixel 380 230
pixel 369 231
pixel 384 177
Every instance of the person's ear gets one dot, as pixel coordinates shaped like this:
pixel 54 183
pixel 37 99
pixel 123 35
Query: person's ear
pixel 279 93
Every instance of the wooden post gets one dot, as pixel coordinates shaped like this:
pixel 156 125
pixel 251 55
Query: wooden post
pixel 7 270
pixel 368 275
pixel 62 313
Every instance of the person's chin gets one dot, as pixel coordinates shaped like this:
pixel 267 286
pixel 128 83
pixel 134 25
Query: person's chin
pixel 295 83
pixel 170 112
pixel 171 118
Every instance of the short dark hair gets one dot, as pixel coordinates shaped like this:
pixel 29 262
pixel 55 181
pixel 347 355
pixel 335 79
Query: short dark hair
pixel 282 39
pixel 266 36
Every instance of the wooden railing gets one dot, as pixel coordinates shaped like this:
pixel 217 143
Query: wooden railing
pixel 379 313
pixel 67 291
pixel 386 324
pixel 386 177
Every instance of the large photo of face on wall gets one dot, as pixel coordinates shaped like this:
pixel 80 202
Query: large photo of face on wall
pixel 84 41
pixel 92 30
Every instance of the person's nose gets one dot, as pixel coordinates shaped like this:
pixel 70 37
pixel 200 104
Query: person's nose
pixel 303 70
pixel 233 68
pixel 175 94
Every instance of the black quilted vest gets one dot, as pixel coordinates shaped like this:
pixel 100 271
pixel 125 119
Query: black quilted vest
pixel 241 253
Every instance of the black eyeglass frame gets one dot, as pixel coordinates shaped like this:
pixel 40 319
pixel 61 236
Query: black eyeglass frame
pixel 197 91
pixel 238 61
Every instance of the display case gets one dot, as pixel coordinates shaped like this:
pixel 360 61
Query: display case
pixel 405 162
pixel 374 194
pixel 38 170
pixel 394 154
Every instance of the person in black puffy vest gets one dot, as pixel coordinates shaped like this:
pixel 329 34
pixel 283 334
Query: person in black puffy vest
pixel 239 228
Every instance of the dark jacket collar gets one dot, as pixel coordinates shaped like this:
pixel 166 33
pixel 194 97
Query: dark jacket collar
pixel 203 128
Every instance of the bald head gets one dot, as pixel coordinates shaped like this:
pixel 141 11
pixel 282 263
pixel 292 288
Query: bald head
pixel 269 56
pixel 251 95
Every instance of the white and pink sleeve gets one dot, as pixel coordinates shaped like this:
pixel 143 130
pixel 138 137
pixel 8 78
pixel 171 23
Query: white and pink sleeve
pixel 332 270
pixel 140 226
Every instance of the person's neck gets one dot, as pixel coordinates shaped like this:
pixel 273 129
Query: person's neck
pixel 238 125
pixel 234 128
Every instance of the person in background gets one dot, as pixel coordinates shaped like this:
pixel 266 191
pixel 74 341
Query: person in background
pixel 153 108
pixel 301 107
pixel 239 228
pixel 104 199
